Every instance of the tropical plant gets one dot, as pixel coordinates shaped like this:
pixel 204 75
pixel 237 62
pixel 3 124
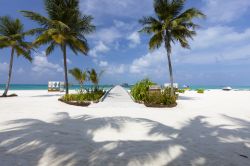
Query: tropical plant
pixel 170 26
pixel 161 99
pixel 140 90
pixel 65 27
pixel 80 76
pixel 200 90
pixel 181 90
pixel 83 97
pixel 12 36
pixel 95 77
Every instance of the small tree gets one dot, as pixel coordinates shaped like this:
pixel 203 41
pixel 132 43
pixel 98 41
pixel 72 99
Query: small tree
pixel 95 78
pixel 80 76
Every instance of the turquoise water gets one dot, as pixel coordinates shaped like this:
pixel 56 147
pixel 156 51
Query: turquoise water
pixel 105 87
pixel 45 87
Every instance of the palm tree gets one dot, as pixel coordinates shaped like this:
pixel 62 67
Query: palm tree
pixel 12 36
pixel 65 27
pixel 170 25
pixel 80 76
pixel 95 78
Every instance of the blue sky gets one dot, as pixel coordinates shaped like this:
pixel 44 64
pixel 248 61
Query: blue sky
pixel 219 54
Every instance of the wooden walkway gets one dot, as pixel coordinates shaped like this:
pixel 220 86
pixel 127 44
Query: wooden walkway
pixel 118 97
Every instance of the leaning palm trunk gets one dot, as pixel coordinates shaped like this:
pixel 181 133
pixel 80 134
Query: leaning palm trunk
pixel 171 74
pixel 10 72
pixel 65 69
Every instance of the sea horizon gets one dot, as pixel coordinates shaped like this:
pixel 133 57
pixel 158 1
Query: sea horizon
pixel 108 86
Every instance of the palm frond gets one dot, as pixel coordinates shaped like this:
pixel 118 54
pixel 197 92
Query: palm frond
pixel 79 45
pixel 156 41
pixel 25 53
pixel 36 31
pixel 50 48
pixel 36 17
pixel 189 15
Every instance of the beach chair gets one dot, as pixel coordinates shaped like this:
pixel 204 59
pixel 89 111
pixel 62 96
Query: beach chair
pixel 55 86
pixel 50 86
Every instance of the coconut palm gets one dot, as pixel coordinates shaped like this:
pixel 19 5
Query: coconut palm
pixel 80 76
pixel 95 78
pixel 64 27
pixel 171 25
pixel 12 36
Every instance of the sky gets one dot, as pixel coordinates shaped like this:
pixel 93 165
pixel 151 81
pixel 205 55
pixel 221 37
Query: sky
pixel 219 54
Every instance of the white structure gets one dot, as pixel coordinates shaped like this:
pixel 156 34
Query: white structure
pixel 167 85
pixel 55 86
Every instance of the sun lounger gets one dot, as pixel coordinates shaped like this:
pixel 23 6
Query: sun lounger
pixel 55 86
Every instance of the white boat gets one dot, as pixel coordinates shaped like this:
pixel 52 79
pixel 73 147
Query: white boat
pixel 228 88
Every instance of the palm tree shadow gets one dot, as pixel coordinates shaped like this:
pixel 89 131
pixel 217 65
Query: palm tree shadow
pixel 91 141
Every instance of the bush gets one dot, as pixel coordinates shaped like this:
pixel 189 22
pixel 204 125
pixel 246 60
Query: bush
pixel 140 90
pixel 200 90
pixel 162 99
pixel 181 90
pixel 84 97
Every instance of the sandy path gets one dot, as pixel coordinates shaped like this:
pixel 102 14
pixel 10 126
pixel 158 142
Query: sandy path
pixel 209 129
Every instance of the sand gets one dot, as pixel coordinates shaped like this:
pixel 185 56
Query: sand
pixel 204 129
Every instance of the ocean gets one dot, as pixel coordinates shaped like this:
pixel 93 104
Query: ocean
pixel 45 87
pixel 105 87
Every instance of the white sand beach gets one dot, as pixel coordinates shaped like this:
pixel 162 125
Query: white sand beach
pixel 204 129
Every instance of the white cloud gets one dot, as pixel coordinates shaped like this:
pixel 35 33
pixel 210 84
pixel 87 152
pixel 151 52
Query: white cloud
pixel 99 48
pixel 41 65
pixel 103 63
pixel 134 39
pixel 149 63
pixel 110 37
pixel 107 35
pixel 215 44
pixel 219 35
pixel 116 69
pixel 3 67
pixel 225 10
pixel 118 8
pixel 20 70
pixel 111 69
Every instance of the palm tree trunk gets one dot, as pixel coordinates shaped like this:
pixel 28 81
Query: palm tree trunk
pixel 10 72
pixel 171 74
pixel 65 69
pixel 81 87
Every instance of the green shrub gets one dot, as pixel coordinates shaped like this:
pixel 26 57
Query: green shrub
pixel 200 90
pixel 181 90
pixel 69 97
pixel 139 90
pixel 84 97
pixel 160 99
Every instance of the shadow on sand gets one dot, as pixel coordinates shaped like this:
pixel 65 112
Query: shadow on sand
pixel 49 95
pixel 122 141
pixel 186 98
